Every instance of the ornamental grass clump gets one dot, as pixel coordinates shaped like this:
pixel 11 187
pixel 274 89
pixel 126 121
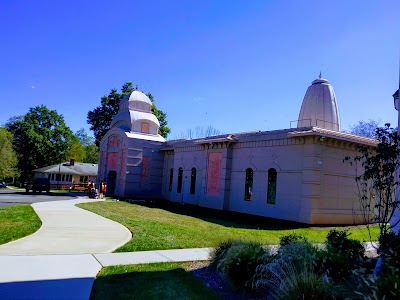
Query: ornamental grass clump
pixel 296 258
pixel 300 283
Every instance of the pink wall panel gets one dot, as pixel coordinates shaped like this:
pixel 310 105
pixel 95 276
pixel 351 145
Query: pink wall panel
pixel 214 173
pixel 145 166
pixel 112 161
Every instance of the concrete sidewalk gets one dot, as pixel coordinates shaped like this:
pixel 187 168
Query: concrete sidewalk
pixel 67 229
pixel 72 276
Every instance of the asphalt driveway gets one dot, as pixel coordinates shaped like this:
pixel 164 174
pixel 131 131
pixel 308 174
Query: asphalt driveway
pixel 9 197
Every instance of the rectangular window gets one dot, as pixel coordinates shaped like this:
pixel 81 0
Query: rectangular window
pixel 171 176
pixel 180 178
pixel 248 187
pixel 145 127
pixel 193 181
pixel 58 177
pixel 63 177
pixel 271 193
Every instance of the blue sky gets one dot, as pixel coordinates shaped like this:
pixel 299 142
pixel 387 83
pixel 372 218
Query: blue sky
pixel 236 65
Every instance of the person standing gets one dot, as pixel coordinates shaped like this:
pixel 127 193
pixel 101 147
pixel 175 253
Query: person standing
pixel 101 186
pixel 104 189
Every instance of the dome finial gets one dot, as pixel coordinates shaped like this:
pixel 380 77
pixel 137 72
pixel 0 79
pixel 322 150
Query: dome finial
pixel 320 74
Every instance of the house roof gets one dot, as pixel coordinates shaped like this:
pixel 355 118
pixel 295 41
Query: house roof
pixel 66 168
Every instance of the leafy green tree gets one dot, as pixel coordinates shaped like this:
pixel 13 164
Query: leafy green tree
pixel 90 149
pixel 8 161
pixel 100 118
pixel 84 138
pixel 164 130
pixel 76 150
pixel 92 154
pixel 40 138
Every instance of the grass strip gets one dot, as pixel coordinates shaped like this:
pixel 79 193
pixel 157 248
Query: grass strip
pixel 17 222
pixel 177 226
pixel 149 281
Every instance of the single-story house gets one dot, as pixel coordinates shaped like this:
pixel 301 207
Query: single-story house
pixel 68 173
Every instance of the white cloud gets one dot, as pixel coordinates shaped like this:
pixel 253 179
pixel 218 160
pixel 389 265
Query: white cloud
pixel 198 100
pixel 34 87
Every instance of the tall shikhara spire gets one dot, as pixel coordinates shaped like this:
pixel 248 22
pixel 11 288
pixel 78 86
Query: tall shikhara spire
pixel 319 107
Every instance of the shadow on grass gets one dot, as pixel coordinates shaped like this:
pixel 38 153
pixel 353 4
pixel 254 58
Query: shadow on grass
pixel 220 217
pixel 174 283
pixel 70 288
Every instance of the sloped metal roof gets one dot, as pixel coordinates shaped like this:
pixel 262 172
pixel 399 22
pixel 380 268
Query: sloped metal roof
pixel 65 168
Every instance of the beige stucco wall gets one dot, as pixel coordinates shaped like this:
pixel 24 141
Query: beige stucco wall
pixel 314 184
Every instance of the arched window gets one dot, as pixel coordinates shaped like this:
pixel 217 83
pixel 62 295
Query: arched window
pixel 271 194
pixel 180 175
pixel 193 181
pixel 171 176
pixel 248 187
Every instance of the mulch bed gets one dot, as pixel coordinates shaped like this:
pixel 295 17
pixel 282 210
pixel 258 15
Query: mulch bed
pixel 215 281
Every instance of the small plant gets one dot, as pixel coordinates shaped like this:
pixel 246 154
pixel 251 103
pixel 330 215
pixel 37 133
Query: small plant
pixel 292 238
pixel 239 262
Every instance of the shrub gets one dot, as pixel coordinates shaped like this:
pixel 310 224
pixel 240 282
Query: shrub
pixel 341 256
pixel 292 238
pixel 338 240
pixel 371 287
pixel 239 262
pixel 389 246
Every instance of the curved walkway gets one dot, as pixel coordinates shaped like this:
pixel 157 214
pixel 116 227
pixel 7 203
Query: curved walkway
pixel 67 229
pixel 62 259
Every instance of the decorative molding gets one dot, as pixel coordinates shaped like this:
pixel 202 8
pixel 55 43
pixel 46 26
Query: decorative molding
pixel 269 143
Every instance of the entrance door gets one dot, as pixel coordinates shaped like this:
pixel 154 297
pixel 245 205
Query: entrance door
pixel 111 181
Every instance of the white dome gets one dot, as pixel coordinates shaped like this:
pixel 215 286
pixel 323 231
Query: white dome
pixel 319 106
pixel 135 100
pixel 137 96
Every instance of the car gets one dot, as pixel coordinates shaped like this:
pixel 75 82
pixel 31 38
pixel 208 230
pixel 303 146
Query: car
pixel 38 185
pixel 3 184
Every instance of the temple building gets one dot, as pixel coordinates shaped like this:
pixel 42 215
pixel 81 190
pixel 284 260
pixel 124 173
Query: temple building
pixel 295 174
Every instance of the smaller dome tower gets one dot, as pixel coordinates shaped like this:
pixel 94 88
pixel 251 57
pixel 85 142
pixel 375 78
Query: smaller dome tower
pixel 135 116
pixel 319 107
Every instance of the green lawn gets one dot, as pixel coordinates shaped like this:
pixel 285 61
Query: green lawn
pixel 17 222
pixel 171 226
pixel 149 281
